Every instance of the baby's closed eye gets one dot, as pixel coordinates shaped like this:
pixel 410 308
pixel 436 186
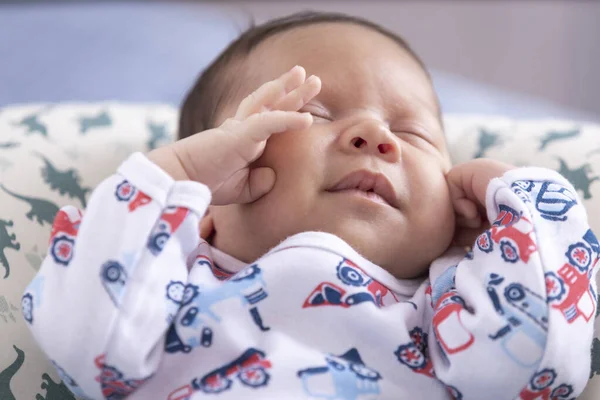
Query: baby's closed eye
pixel 320 114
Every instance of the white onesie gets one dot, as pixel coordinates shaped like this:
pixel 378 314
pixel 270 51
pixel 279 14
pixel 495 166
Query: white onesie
pixel 130 301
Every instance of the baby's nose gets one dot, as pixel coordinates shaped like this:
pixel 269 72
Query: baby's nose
pixel 371 137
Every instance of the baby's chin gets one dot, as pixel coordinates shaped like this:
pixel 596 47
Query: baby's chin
pixel 391 248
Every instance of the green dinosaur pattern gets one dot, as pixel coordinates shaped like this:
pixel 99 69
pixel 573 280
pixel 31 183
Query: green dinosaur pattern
pixel 54 391
pixel 98 121
pixel 554 136
pixel 9 145
pixel 158 133
pixel 595 370
pixel 8 373
pixel 6 310
pixel 42 210
pixel 64 181
pixel 579 177
pixel 7 242
pixel 33 124
pixel 487 139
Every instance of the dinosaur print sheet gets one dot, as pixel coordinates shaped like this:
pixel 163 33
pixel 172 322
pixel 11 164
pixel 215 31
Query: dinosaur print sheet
pixel 52 155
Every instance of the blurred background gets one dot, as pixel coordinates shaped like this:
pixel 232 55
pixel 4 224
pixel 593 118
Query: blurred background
pixel 517 58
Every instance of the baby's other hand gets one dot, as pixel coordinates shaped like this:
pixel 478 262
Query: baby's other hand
pixel 220 157
pixel 468 184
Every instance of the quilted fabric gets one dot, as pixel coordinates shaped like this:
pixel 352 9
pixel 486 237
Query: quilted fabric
pixel 54 154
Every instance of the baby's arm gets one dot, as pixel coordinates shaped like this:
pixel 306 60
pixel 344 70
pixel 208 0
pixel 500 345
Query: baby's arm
pixel 516 315
pixel 106 294
pixel 100 306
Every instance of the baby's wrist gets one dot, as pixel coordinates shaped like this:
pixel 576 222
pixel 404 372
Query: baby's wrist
pixel 168 160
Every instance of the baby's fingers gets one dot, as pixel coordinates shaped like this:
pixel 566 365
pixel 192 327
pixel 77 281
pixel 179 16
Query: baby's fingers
pixel 271 92
pixel 297 98
pixel 259 127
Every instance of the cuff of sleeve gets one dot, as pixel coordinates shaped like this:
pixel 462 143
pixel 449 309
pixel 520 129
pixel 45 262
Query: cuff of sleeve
pixel 147 177
pixel 535 174
pixel 156 183
pixel 520 174
pixel 192 195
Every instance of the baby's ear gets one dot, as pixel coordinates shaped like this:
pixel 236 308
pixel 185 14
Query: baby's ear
pixel 207 226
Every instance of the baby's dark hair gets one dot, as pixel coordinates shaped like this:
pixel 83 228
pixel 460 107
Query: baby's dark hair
pixel 216 84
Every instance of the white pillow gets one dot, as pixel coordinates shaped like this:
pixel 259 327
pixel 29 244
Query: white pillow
pixel 51 156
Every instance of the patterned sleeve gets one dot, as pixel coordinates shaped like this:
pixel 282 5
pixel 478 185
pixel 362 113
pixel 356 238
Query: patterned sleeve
pixel 514 318
pixel 113 273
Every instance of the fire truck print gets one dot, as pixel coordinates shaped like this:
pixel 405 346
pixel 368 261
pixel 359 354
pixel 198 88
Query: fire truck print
pixel 352 276
pixel 114 280
pixel 569 289
pixel 552 200
pixel 448 327
pixel 540 387
pixel 506 215
pixel 135 198
pixel 247 285
pixel 442 284
pixel 448 306
pixel 515 240
pixel 526 314
pixel 343 377
pixel 169 221
pixel 188 329
pixel 62 238
pixel 414 353
pixel 194 330
pixel 250 369
pixel 113 384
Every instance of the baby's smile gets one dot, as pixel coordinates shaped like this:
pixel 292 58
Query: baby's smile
pixel 370 185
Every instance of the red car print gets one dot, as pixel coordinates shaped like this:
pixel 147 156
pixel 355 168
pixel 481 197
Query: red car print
pixel 250 369
pixel 114 386
pixel 569 292
pixel 569 289
pixel 447 324
pixel 62 238
pixel 414 353
pixel 125 191
pixel 352 275
pixel 506 216
pixel 540 387
pixel 168 224
pixel 140 199
pixel 516 241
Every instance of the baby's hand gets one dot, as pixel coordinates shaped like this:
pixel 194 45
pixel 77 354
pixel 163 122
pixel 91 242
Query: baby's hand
pixel 468 184
pixel 219 157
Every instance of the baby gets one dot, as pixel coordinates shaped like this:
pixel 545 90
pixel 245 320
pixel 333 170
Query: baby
pixel 302 244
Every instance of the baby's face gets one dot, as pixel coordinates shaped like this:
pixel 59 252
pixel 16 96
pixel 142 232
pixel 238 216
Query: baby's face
pixel 376 129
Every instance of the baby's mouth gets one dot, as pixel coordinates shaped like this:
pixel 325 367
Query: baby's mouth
pixel 373 186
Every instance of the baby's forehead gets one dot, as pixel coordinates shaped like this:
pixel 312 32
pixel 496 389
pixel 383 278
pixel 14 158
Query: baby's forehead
pixel 358 67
